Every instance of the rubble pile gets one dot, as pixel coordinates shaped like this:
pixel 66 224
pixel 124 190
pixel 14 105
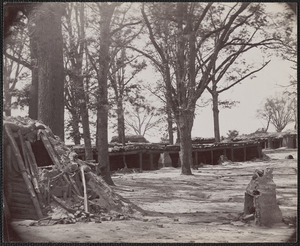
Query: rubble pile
pixel 34 191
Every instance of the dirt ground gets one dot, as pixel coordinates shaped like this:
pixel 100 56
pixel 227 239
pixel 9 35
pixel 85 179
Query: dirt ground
pixel 202 208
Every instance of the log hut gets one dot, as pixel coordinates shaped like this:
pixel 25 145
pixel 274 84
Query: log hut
pixel 39 170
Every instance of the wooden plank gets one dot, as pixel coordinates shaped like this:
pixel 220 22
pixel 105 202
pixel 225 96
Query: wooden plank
pixel 21 165
pixel 73 183
pixel 62 204
pixel 32 158
pixel 50 150
pixel 6 208
pixel 24 153
pixel 20 188
pixel 18 200
pixel 86 205
pixel 8 162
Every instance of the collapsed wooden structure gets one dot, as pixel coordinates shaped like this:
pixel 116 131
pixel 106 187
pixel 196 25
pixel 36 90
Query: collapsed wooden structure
pixel 30 187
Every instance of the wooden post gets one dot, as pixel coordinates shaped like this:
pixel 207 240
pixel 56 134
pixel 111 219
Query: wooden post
pixel 18 156
pixel 245 153
pixel 124 161
pixel 151 161
pixel 212 157
pixel 86 206
pixel 259 151
pixel 141 160
pixel 196 157
pixel 232 155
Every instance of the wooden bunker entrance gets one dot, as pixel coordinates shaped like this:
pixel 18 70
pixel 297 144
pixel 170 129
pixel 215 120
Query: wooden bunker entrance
pixel 22 196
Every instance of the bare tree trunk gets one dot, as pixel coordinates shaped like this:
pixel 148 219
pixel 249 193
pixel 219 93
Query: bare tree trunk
pixel 121 121
pixel 75 126
pixel 34 88
pixel 50 67
pixel 216 117
pixel 82 98
pixel 86 130
pixel 106 12
pixel 185 124
pixel 170 123
pixel 6 91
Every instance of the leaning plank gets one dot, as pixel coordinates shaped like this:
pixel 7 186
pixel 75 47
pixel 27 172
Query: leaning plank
pixel 24 153
pixel 23 170
pixel 72 182
pixel 50 150
pixel 86 206
pixel 27 159
pixel 33 167
pixel 62 204
pixel 32 158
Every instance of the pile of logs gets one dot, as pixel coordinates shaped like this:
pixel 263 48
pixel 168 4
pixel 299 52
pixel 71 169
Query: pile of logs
pixel 31 189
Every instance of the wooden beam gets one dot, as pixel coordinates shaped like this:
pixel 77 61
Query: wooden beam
pixel 20 162
pixel 141 160
pixel 196 157
pixel 50 150
pixel 151 161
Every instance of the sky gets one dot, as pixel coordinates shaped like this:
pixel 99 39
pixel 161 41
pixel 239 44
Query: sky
pixel 250 93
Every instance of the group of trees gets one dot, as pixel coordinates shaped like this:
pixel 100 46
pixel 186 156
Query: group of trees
pixel 279 110
pixel 86 56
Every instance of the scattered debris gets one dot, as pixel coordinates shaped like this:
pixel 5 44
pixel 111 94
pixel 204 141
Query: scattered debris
pixel 34 191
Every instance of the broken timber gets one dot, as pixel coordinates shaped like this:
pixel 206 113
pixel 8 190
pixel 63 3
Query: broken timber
pixel 31 185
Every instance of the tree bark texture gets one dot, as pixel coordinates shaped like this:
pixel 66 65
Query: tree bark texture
pixel 79 82
pixel 75 126
pixel 50 67
pixel 121 121
pixel 185 124
pixel 6 91
pixel 170 123
pixel 34 88
pixel 106 12
pixel 216 117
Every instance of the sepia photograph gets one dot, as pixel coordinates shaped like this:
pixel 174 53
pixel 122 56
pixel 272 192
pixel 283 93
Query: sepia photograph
pixel 149 122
